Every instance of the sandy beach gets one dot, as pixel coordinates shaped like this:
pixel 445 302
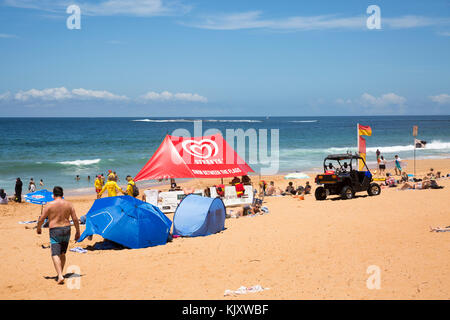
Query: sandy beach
pixel 302 249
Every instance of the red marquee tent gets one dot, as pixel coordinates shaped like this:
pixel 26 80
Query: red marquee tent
pixel 194 157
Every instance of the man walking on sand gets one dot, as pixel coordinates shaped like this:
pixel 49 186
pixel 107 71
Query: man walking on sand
pixel 58 213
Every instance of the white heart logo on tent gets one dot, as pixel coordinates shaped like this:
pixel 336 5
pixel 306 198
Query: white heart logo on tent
pixel 196 148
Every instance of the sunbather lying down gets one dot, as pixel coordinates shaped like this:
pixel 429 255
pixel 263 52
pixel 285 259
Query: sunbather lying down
pixel 426 184
pixel 439 229
pixel 243 211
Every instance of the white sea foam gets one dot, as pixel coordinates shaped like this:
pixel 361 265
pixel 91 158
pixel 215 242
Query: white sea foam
pixel 192 120
pixel 167 120
pixel 80 162
pixel 433 145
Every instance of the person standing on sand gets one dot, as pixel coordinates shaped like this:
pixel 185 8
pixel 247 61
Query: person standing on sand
pixel 131 187
pixel 18 190
pixel 41 183
pixel 58 213
pixel 32 186
pixel 112 188
pixel 398 166
pixel 98 184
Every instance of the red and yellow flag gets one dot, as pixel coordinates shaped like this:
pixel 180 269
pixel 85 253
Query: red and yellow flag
pixel 362 131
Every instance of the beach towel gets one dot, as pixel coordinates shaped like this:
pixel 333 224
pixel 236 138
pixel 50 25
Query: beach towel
pixel 27 222
pixel 78 249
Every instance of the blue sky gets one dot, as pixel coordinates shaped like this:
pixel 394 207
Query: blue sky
pixel 224 58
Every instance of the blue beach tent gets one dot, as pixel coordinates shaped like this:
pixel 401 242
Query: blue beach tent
pixel 127 221
pixel 199 216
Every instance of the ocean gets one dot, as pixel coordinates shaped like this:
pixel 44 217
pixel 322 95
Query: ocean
pixel 58 149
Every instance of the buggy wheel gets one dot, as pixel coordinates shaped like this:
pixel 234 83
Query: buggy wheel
pixel 374 189
pixel 320 193
pixel 347 193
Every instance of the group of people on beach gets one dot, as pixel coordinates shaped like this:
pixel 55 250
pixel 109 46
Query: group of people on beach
pixel 18 189
pixel 271 190
pixel 112 187
pixel 381 162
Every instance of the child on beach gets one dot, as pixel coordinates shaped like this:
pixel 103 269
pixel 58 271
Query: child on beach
pixel 398 166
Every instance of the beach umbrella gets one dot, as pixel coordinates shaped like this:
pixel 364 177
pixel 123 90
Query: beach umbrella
pixel 296 175
pixel 39 197
pixel 127 221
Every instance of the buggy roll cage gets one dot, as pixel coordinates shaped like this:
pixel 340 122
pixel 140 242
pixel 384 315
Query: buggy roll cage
pixel 344 156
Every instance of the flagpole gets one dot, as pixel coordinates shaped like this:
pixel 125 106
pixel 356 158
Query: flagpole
pixel 357 137
pixel 414 157
pixel 357 141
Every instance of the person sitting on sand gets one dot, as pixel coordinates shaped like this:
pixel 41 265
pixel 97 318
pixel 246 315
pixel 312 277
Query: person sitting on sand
pixel 174 187
pixel 273 191
pixel 220 190
pixel 112 188
pixel 3 197
pixel 431 174
pixel 307 188
pixel 404 177
pixel 207 192
pixel 390 181
pixel 246 180
pixel 290 188
pixel 235 181
pixel 244 211
pixel 58 213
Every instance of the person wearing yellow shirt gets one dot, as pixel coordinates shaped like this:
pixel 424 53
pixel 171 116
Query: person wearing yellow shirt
pixel 98 184
pixel 112 188
pixel 130 185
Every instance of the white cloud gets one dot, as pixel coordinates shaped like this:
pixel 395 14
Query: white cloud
pixel 57 94
pixel 7 36
pixel 406 22
pixel 378 104
pixel 254 20
pixel 140 8
pixel 444 33
pixel 387 99
pixel 441 98
pixel 46 94
pixel 105 95
pixel 5 96
pixel 168 96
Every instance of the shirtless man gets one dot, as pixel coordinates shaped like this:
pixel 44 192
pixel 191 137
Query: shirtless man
pixel 58 213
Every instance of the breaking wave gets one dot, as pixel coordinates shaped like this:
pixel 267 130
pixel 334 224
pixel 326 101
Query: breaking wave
pixel 80 162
